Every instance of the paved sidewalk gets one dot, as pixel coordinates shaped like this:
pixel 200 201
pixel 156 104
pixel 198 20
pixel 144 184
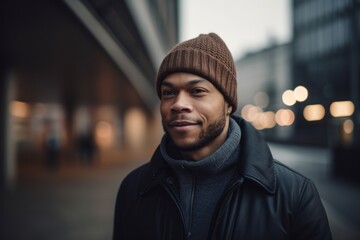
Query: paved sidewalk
pixel 75 203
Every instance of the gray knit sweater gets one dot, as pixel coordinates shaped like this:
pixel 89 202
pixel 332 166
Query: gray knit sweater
pixel 203 182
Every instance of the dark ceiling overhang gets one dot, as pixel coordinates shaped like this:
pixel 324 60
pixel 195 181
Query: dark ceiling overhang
pixel 87 52
pixel 112 26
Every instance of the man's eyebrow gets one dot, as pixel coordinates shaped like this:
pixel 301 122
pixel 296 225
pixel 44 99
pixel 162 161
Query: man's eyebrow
pixel 168 84
pixel 191 82
pixel 196 81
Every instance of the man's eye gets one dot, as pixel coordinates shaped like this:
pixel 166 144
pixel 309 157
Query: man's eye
pixel 198 90
pixel 167 92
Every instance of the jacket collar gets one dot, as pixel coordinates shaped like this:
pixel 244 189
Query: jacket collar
pixel 255 160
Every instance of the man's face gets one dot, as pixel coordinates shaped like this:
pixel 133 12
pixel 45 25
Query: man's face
pixel 194 112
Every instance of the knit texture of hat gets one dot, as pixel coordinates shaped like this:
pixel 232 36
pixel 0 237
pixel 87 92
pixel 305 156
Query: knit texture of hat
pixel 207 56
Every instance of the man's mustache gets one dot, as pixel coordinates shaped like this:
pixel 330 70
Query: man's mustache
pixel 183 119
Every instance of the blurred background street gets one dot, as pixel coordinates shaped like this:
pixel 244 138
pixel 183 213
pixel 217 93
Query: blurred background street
pixel 78 109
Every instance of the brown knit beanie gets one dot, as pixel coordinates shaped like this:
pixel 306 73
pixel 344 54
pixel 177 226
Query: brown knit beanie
pixel 207 56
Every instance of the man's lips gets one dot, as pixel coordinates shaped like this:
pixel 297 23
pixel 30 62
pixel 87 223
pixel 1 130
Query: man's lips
pixel 181 123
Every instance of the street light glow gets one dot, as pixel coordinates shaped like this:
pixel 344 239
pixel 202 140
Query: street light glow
pixel 342 109
pixel 314 112
pixel 300 93
pixel 348 126
pixel 20 109
pixel 284 117
pixel 288 98
pixel 261 99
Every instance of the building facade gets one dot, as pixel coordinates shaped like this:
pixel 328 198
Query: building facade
pixel 326 61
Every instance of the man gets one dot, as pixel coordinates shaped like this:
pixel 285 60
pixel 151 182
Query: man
pixel 212 176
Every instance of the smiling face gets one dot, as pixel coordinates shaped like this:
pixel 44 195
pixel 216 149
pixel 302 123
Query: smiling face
pixel 194 113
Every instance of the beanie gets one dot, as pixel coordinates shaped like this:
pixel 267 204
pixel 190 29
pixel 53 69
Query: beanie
pixel 207 56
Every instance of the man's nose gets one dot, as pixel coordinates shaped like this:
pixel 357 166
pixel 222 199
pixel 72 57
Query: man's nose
pixel 182 103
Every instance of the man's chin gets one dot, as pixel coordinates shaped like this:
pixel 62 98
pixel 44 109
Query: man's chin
pixel 188 146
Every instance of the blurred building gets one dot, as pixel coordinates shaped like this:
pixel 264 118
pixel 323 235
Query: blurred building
pixel 307 91
pixel 263 77
pixel 326 61
pixel 77 75
pixel 316 77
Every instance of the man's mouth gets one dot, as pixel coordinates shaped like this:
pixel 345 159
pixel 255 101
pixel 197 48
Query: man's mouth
pixel 181 123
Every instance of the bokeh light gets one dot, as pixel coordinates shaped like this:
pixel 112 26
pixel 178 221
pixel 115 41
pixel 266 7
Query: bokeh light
pixel 288 98
pixel 301 93
pixel 342 108
pixel 284 117
pixel 314 112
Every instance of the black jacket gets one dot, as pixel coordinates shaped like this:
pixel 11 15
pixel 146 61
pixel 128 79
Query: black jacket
pixel 265 200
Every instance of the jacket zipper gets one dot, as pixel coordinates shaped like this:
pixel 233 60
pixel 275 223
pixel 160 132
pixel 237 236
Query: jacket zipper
pixel 191 206
pixel 224 196
pixel 175 200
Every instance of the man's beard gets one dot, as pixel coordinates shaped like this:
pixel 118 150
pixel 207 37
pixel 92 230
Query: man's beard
pixel 205 137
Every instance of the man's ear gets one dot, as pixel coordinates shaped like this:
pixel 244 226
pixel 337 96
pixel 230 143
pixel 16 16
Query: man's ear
pixel 229 109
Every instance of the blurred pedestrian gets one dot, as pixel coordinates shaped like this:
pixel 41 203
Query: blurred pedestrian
pixel 51 144
pixel 213 175
pixel 86 146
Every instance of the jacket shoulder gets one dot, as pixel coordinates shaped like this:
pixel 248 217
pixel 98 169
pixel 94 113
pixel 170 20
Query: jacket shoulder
pixel 309 219
pixel 282 170
pixel 135 178
pixel 289 178
pixel 299 189
pixel 126 197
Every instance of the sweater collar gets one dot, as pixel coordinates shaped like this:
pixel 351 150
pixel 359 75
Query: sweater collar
pixel 213 164
pixel 255 160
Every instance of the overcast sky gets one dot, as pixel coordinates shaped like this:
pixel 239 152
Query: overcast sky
pixel 245 25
